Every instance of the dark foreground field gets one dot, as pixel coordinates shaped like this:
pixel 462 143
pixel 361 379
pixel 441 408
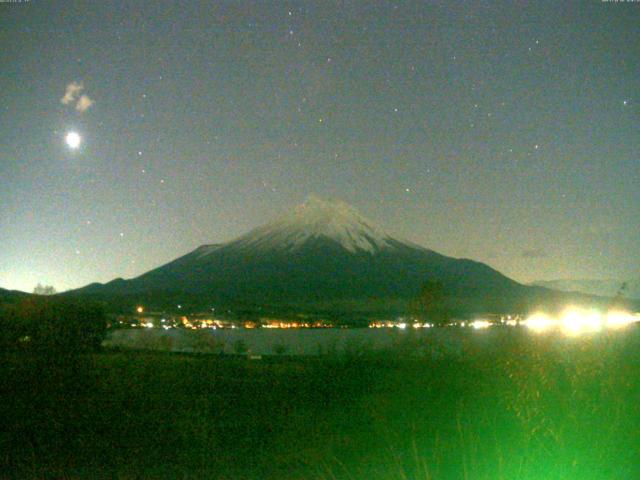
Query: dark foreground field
pixel 526 408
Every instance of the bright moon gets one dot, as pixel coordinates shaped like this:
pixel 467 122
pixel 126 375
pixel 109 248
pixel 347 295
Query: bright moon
pixel 73 140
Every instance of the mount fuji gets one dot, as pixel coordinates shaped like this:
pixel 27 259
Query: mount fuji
pixel 322 257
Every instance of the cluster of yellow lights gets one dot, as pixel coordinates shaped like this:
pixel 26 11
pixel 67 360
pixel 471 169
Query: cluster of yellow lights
pixel 572 321
pixel 575 321
pixel 400 325
pixel 480 324
pixel 276 324
pixel 283 324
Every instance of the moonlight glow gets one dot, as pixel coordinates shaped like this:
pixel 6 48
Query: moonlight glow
pixel 73 140
pixel 430 130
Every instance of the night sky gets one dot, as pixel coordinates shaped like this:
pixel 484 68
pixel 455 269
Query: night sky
pixel 503 132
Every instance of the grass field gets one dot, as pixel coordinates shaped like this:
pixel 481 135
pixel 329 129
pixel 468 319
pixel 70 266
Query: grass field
pixel 538 408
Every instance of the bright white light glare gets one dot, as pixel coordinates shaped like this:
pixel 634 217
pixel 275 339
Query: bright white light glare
pixel 512 323
pixel 619 319
pixel 538 322
pixel 148 325
pixel 478 324
pixel 73 140
pixel 575 321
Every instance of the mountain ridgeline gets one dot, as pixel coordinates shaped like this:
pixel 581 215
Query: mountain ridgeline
pixel 323 257
pixel 10 296
pixel 606 288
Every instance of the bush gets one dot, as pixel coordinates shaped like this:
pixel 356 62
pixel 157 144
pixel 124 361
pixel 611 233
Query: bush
pixel 53 325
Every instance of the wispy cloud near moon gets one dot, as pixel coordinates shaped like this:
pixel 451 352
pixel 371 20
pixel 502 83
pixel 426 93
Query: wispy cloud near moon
pixel 72 95
pixel 83 104
pixel 72 91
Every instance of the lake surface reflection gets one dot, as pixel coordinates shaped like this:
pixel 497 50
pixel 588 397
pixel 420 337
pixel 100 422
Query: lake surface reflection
pixel 432 341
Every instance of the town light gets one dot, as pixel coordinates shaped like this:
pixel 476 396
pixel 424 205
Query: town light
pixel 575 321
pixel 538 322
pixel 619 319
pixel 478 324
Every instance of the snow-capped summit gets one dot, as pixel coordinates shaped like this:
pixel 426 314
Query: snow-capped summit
pixel 317 219
pixel 322 256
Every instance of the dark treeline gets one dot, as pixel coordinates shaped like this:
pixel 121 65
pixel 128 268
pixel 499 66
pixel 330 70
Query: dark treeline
pixel 51 325
pixel 47 373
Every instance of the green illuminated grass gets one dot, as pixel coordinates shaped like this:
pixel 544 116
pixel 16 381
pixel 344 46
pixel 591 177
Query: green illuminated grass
pixel 509 406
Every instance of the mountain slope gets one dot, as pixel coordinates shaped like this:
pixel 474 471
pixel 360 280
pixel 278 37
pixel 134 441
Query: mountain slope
pixel 9 296
pixel 607 288
pixel 322 256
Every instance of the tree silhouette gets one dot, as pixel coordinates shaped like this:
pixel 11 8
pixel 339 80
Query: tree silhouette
pixel 431 303
pixel 52 325
pixel 619 299
pixel 44 289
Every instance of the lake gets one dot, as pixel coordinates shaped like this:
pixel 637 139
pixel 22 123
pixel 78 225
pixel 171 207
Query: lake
pixel 264 341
